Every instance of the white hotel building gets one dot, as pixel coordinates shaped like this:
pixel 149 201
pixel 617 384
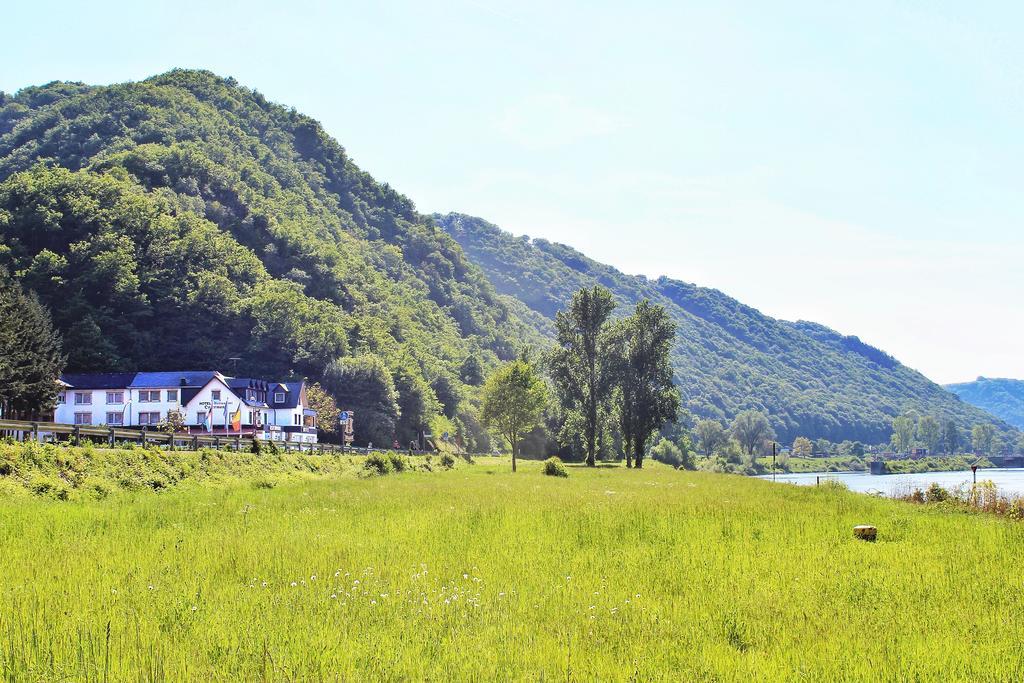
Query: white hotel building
pixel 269 410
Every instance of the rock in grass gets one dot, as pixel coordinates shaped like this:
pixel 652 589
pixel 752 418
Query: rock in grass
pixel 865 532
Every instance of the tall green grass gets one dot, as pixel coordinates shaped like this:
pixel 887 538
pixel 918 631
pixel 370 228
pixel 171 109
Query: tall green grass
pixel 479 574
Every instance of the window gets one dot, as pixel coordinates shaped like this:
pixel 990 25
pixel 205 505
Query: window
pixel 115 397
pixel 61 398
pixel 278 397
pixel 83 398
pixel 295 420
pixel 115 418
pixel 149 396
pixel 172 395
pixel 151 418
pixel 83 418
pixel 201 417
pixel 215 395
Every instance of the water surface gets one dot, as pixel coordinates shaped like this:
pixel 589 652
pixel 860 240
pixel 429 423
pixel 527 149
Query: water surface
pixel 1009 480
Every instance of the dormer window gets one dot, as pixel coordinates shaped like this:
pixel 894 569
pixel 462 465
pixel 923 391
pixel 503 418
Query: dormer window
pixel 278 397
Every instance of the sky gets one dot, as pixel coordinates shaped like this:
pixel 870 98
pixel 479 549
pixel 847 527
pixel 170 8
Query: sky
pixel 854 164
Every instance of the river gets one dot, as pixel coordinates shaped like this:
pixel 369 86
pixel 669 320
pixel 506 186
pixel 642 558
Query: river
pixel 1009 480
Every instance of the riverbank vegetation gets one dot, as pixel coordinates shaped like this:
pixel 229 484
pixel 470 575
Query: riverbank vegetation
pixel 479 573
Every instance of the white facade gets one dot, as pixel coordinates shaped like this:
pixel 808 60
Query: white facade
pixel 138 405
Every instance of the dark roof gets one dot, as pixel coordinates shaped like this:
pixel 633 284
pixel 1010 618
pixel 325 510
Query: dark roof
pixel 180 378
pixel 291 394
pixel 98 380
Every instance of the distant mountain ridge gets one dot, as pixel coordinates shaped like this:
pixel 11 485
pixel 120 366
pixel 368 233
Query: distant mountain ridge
pixel 810 379
pixel 1004 398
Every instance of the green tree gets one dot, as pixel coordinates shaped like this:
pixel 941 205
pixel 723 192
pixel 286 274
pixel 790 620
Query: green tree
pixel 364 385
pixel 327 412
pixel 951 438
pixel 581 365
pixel 472 372
pixel 514 399
pixel 710 436
pixel 981 438
pixel 802 447
pixel 416 403
pixel 904 427
pixel 647 399
pixel 823 447
pixel 750 429
pixel 30 355
pixel 929 433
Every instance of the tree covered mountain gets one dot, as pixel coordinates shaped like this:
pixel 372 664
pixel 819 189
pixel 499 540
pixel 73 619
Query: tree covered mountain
pixel 184 220
pixel 728 357
pixel 1004 398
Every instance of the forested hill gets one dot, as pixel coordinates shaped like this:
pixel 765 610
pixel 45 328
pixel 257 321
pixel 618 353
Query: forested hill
pixel 1003 398
pixel 180 221
pixel 728 357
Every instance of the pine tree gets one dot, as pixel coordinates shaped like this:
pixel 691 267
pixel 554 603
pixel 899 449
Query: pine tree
pixel 30 354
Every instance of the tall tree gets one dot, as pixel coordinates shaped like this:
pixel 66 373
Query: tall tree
pixel 981 438
pixel 750 429
pixel 929 433
pixel 904 427
pixel 951 437
pixel 514 400
pixel 647 399
pixel 711 436
pixel 581 365
pixel 802 447
pixel 30 355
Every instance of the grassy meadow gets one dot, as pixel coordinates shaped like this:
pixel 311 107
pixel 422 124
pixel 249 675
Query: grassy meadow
pixel 476 573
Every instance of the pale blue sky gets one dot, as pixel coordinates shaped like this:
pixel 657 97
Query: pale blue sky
pixel 856 164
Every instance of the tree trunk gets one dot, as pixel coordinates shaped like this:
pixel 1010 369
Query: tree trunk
pixel 629 459
pixel 639 455
pixel 515 452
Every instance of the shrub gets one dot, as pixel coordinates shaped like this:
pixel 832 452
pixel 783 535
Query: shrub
pixel 447 461
pixel 257 446
pixel 553 467
pixel 936 494
pixel 263 484
pixel 398 463
pixel 377 464
pixel 834 485
pixel 667 452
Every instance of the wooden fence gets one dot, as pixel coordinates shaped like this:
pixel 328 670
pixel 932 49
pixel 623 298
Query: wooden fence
pixel 179 441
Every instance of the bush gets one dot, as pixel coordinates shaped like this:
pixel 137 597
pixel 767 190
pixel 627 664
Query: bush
pixel 377 464
pixel 936 494
pixel 447 461
pixel 257 447
pixel 263 484
pixel 553 467
pixel 667 452
pixel 398 463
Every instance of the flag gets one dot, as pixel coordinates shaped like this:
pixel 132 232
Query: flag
pixel 207 421
pixel 226 425
pixel 236 419
pixel 124 413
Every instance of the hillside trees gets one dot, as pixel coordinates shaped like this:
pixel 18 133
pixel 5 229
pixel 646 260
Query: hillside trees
pixel 581 365
pixel 30 355
pixel 364 385
pixel 514 398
